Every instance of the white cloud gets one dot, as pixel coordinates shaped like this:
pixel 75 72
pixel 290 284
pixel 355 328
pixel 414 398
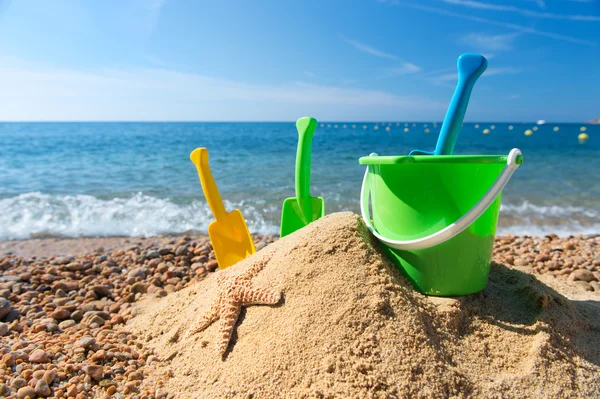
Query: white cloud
pixel 522 11
pixel 540 3
pixel 486 42
pixel 370 50
pixel 404 69
pixel 519 28
pixel 32 92
pixel 488 72
pixel 154 9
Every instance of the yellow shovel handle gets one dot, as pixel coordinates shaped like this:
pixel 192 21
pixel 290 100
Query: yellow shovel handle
pixel 200 158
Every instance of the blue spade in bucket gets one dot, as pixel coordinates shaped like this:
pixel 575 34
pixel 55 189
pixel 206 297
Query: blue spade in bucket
pixel 436 216
pixel 470 68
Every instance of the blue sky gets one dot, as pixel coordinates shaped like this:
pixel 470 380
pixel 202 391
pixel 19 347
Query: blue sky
pixel 274 60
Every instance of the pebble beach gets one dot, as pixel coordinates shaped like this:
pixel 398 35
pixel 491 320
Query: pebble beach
pixel 65 304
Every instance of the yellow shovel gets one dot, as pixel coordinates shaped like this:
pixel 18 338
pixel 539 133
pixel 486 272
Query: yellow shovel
pixel 228 234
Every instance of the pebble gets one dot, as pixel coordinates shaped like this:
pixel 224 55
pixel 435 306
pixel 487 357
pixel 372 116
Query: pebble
pixel 94 371
pixel 42 388
pixel 49 376
pixel 137 273
pixel 85 342
pixel 5 307
pixel 60 314
pixel 181 250
pixel 63 325
pixel 38 356
pixel 582 275
pixel 139 288
pixel 3 329
pixel 26 391
pixel 63 260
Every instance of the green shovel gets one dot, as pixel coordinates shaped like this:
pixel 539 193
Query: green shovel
pixel 299 211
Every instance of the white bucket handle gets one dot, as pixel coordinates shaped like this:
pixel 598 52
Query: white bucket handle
pixel 455 228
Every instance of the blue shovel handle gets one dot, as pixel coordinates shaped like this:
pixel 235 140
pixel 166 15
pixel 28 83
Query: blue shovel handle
pixel 470 68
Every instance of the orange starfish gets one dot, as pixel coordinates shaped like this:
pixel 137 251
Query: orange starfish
pixel 233 292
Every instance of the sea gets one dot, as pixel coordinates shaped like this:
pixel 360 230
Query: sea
pixel 136 179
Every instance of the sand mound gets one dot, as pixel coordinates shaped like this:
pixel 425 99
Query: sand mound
pixel 351 327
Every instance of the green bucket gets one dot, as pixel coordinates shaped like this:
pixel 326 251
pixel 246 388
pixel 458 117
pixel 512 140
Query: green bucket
pixel 437 215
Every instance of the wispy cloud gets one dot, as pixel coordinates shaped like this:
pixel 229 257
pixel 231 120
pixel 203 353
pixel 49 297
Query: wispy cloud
pixel 506 25
pixel 540 3
pixel 404 69
pixel 486 42
pixel 448 77
pixel 513 97
pixel 35 92
pixel 370 50
pixel 522 11
pixel 154 9
pixel 309 74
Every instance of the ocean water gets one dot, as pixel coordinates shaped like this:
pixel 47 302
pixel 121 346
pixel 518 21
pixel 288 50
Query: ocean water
pixel 105 179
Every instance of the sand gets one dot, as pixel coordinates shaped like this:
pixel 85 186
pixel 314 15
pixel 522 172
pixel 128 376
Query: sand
pixel 351 327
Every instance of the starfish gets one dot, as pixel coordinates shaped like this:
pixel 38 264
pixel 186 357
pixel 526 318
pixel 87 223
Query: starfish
pixel 233 292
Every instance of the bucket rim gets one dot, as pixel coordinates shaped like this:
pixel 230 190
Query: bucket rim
pixel 435 159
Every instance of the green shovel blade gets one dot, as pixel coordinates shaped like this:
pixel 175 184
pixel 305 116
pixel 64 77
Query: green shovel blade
pixel 302 209
pixel 292 216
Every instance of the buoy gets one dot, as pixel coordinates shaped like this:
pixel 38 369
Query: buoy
pixel 582 129
pixel 329 125
pixel 583 137
pixel 556 128
pixel 387 129
pixel 376 127
pixel 322 124
pixel 492 127
pixel 405 130
pixel 511 127
pixel 425 125
pixel 390 124
pixel 486 131
pixel 353 126
pixel 426 130
pixel 476 126
pixel 535 128
pixel 335 126
pixel 435 125
pixel 344 126
pixel 414 125
pixel 528 132
pixel 364 126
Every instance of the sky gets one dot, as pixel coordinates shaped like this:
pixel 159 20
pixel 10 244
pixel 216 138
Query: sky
pixel 335 60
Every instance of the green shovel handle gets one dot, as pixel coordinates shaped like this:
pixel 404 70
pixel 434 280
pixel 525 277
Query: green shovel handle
pixel 306 128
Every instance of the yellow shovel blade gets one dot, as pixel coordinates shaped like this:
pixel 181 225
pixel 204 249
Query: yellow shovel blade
pixel 231 239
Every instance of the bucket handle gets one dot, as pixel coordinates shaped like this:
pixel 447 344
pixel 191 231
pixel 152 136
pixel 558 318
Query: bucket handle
pixel 512 163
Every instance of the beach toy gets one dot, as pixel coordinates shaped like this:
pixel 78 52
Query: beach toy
pixel 470 68
pixel 302 209
pixel 228 234
pixel 437 215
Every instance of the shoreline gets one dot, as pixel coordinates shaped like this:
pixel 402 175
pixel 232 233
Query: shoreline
pixel 71 246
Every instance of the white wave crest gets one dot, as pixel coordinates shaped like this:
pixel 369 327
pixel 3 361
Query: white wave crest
pixel 528 209
pixel 34 214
